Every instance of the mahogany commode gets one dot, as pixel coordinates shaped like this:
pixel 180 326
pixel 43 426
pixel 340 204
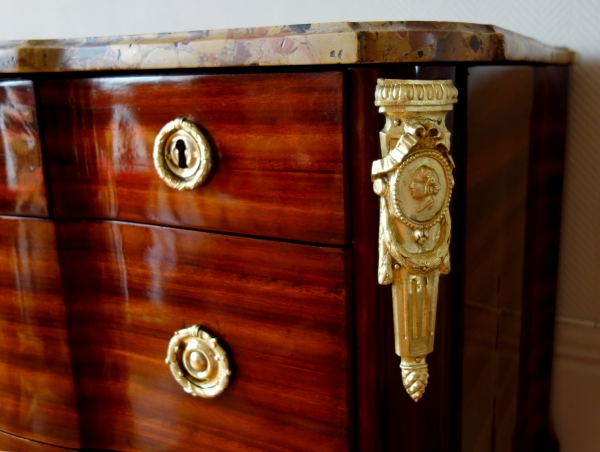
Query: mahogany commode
pixel 275 253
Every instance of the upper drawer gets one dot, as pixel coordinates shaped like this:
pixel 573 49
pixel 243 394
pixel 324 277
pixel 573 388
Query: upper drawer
pixel 22 189
pixel 276 139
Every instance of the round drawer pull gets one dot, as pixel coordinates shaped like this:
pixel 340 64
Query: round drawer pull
pixel 182 155
pixel 198 362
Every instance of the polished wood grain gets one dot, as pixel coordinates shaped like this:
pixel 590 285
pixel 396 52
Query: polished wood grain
pixel 16 444
pixel 388 418
pixel 276 138
pixel 279 308
pixel 37 396
pixel 22 189
pixel 542 234
pixel 368 295
pixel 515 151
pixel 500 106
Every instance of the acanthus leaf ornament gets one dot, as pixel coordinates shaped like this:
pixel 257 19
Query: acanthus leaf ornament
pixel 414 182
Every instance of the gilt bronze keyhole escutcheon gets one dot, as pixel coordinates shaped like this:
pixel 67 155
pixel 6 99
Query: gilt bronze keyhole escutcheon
pixel 182 155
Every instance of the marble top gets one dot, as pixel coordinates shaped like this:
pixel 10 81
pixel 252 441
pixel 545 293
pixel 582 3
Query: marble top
pixel 307 44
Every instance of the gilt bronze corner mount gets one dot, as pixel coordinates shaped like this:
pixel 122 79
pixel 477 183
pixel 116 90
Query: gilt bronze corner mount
pixel 414 182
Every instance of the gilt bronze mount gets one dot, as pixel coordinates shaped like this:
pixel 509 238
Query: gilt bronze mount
pixel 198 362
pixel 414 182
pixel 181 155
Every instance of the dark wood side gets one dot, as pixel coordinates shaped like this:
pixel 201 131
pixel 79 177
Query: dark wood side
pixel 514 155
pixel 499 102
pixel 276 140
pixel 387 418
pixel 279 308
pixel 37 396
pixel 15 444
pixel 22 189
pixel 368 295
pixel 545 180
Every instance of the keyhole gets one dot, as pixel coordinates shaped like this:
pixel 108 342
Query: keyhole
pixel 182 161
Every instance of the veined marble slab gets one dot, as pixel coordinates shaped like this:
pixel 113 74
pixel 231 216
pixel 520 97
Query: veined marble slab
pixel 308 44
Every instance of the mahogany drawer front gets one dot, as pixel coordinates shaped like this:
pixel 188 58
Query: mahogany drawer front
pixel 22 187
pixel 16 444
pixel 276 139
pixel 36 387
pixel 280 310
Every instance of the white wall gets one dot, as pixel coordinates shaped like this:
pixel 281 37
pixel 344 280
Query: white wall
pixel 572 23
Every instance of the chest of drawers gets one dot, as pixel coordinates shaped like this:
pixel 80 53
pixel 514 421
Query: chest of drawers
pixel 275 254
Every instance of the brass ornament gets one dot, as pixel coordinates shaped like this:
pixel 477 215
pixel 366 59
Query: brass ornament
pixel 414 182
pixel 182 155
pixel 198 362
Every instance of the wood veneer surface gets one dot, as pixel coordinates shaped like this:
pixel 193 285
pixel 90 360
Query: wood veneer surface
pixel 279 308
pixel 22 188
pixel 276 140
pixel 515 150
pixel 37 396
pixel 500 105
pixel 15 444
pixel 542 234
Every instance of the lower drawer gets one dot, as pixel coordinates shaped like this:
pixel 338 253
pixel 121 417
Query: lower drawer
pixel 16 444
pixel 37 397
pixel 278 308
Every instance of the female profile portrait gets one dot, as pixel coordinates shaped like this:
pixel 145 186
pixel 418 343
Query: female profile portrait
pixel 424 186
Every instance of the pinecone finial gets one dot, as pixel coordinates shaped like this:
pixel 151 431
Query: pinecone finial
pixel 414 376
